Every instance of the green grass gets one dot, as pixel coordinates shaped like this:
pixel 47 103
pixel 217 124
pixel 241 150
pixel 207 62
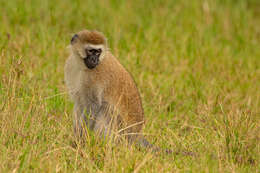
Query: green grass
pixel 196 64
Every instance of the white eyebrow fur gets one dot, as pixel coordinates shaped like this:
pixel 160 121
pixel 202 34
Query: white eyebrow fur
pixel 99 46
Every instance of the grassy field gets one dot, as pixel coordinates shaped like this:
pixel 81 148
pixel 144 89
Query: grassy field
pixel 196 64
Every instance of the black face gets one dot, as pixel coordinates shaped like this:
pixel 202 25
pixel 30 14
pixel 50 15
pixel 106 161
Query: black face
pixel 92 58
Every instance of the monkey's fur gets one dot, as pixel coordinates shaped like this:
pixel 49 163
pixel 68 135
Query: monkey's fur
pixel 104 93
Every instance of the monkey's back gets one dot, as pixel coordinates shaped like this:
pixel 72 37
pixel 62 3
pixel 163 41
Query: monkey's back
pixel 121 92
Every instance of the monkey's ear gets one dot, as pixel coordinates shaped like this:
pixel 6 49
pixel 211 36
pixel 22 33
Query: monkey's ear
pixel 74 38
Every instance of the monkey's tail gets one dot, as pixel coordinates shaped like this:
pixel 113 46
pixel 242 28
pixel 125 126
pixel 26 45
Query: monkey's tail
pixel 142 142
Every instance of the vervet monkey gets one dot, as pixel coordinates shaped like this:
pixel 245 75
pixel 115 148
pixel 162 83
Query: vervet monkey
pixel 103 91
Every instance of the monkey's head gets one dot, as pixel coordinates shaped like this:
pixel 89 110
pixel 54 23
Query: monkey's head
pixel 89 46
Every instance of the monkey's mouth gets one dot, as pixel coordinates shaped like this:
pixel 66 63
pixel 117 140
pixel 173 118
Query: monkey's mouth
pixel 91 61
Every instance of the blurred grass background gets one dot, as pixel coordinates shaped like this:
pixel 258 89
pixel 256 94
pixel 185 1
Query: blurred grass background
pixel 196 64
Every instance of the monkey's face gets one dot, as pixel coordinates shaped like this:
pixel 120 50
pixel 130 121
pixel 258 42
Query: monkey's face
pixel 92 57
pixel 90 54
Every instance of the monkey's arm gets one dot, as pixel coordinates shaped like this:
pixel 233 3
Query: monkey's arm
pixel 86 110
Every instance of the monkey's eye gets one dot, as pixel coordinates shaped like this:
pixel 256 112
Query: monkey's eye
pixel 92 50
pixel 99 50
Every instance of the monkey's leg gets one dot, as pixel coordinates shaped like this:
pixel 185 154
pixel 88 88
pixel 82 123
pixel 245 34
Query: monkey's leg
pixel 108 122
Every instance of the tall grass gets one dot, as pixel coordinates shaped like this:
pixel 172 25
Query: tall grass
pixel 196 64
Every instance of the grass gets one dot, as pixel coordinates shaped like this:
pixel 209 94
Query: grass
pixel 196 64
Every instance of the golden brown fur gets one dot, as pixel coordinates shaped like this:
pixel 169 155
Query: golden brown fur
pixel 93 37
pixel 119 90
